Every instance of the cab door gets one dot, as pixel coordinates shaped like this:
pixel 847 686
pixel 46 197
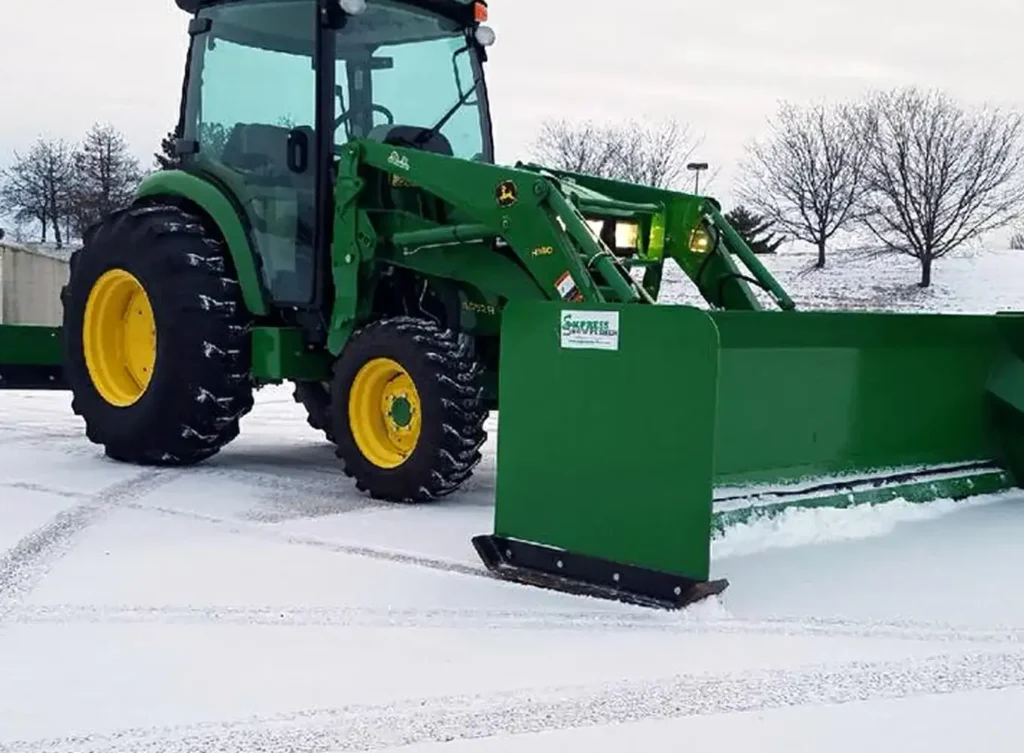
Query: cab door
pixel 250 117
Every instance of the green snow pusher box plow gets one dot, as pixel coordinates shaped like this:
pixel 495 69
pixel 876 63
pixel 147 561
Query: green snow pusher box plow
pixel 31 357
pixel 629 434
pixel 408 285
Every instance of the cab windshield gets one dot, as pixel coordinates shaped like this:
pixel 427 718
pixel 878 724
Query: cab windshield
pixel 395 64
pixel 404 66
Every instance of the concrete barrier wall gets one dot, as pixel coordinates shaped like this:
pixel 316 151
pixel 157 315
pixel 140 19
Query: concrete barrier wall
pixel 30 284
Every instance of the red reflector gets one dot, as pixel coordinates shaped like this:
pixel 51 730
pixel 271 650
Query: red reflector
pixel 480 12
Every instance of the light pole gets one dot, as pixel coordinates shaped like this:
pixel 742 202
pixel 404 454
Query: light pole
pixel 696 167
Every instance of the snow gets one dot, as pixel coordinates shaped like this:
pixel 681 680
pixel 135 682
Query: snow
pixel 257 602
pixel 968 281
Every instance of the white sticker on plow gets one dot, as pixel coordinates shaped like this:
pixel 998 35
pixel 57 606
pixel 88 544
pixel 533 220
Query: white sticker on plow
pixel 594 330
pixel 565 285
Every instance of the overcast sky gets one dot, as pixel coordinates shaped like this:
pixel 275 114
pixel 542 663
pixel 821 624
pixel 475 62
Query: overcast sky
pixel 721 67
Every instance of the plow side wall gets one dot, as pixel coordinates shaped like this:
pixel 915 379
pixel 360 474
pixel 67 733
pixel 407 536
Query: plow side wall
pixel 608 453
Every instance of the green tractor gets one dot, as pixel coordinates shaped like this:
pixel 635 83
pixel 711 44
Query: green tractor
pixel 337 220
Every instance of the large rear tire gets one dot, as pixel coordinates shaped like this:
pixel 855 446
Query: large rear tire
pixel 407 411
pixel 156 337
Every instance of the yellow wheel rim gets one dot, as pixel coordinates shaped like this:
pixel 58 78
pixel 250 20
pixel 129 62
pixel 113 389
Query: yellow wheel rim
pixel 119 338
pixel 384 413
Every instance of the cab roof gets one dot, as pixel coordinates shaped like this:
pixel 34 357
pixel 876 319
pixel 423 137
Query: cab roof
pixel 461 11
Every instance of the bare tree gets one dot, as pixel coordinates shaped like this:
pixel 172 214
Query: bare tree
pixel 580 148
pixel 655 154
pixel 940 176
pixel 1017 240
pixel 105 178
pixel 652 154
pixel 22 195
pixel 36 187
pixel 807 176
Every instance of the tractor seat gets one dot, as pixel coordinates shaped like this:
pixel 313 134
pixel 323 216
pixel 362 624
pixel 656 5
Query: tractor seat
pixel 261 151
pixel 404 135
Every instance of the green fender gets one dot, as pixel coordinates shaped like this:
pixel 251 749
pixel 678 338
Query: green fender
pixel 215 204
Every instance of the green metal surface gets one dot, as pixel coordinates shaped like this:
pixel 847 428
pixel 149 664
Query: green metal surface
pixel 819 393
pixel 530 217
pixel 31 357
pixel 219 209
pixel 30 344
pixel 281 353
pixel 569 414
pixel 739 247
pixel 763 412
pixel 717 276
pixel 593 256
pixel 416 240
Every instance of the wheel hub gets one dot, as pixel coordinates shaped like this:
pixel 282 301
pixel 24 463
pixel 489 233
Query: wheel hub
pixel 119 338
pixel 400 411
pixel 384 413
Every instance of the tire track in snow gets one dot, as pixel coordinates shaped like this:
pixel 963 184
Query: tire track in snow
pixel 327 483
pixel 68 441
pixel 45 489
pixel 471 618
pixel 359 550
pixel 258 530
pixel 444 719
pixel 24 565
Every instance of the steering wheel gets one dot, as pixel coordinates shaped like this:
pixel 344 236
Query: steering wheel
pixel 345 116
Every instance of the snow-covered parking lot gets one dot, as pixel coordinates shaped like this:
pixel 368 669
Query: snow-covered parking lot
pixel 258 603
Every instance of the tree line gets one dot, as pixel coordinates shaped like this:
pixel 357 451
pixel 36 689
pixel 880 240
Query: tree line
pixel 904 171
pixel 62 187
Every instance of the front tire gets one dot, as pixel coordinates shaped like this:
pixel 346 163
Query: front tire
pixel 315 397
pixel 156 337
pixel 408 413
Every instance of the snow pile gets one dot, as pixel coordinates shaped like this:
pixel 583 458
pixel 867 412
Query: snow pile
pixel 794 527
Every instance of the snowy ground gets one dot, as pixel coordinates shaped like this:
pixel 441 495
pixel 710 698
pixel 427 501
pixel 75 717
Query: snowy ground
pixel 967 281
pixel 257 604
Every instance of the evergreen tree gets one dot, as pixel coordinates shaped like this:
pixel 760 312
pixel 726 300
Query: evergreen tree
pixel 166 158
pixel 750 226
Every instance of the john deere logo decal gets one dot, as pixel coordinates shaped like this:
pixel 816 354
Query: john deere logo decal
pixel 507 194
pixel 398 160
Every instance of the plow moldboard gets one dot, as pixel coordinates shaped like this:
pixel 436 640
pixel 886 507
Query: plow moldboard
pixel 807 394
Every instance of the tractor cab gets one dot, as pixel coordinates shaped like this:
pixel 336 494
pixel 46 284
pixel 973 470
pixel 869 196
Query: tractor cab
pixel 275 88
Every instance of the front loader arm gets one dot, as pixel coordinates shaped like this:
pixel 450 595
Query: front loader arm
pixel 686 216
pixel 551 242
